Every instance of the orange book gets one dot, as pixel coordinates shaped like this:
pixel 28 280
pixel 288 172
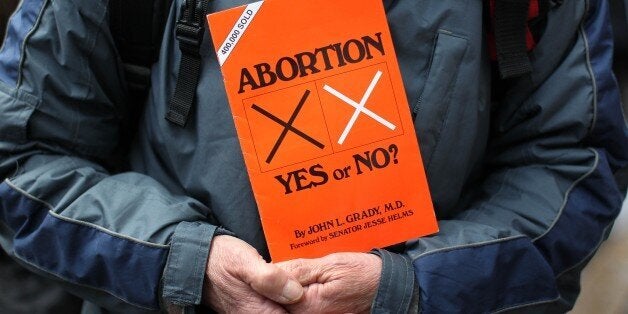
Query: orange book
pixel 324 125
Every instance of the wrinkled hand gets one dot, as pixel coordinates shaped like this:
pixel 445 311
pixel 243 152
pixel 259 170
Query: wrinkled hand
pixel 238 280
pixel 337 283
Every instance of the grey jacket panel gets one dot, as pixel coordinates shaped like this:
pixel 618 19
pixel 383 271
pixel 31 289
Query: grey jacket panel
pixel 105 235
pixel 546 198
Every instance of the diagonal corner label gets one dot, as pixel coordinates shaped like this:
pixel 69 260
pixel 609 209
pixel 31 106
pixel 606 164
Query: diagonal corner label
pixel 237 31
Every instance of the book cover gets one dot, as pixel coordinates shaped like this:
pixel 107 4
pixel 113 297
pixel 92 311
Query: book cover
pixel 324 125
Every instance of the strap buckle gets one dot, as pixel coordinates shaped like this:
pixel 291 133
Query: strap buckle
pixel 190 36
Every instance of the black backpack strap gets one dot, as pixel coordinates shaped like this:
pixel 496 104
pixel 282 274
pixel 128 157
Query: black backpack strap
pixel 512 22
pixel 190 30
pixel 511 18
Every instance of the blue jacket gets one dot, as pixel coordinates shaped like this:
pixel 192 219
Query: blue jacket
pixel 523 184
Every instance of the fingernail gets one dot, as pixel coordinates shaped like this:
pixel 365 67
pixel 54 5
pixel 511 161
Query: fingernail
pixel 292 291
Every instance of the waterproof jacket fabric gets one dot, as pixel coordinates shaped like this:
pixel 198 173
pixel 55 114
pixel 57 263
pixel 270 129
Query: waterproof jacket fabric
pixel 521 172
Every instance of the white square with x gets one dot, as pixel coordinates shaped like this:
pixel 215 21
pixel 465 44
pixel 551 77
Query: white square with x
pixel 359 107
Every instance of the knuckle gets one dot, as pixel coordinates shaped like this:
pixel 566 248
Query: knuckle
pixel 267 279
pixel 267 273
pixel 297 263
pixel 335 258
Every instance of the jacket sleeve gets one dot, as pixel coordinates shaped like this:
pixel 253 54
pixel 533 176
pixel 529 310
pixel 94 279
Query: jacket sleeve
pixel 120 240
pixel 548 197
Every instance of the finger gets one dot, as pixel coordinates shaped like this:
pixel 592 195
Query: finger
pixel 259 305
pixel 274 283
pixel 306 271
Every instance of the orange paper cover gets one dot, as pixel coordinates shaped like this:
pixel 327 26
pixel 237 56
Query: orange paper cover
pixel 324 125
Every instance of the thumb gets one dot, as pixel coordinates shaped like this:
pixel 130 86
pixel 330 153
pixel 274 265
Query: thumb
pixel 274 283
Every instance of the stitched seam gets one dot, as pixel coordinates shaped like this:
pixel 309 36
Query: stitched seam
pixel 470 245
pixel 199 254
pixel 379 297
pixel 450 97
pixel 583 260
pixel 589 255
pixel 172 292
pixel 23 118
pixel 518 306
pixel 87 224
pixel 566 197
pixel 17 169
pixel 403 304
pixel 390 278
pixel 418 104
pixel 109 232
pixel 587 53
pixel 168 291
pixel 85 68
pixel 404 288
pixel 26 38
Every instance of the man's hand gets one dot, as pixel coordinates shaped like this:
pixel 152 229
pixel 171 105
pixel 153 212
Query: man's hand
pixel 238 280
pixel 337 283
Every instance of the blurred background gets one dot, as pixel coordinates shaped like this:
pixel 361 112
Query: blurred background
pixel 604 281
pixel 6 8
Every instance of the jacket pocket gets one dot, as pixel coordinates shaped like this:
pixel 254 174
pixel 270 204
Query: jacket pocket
pixel 432 107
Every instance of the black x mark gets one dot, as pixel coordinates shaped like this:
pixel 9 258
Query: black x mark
pixel 287 126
